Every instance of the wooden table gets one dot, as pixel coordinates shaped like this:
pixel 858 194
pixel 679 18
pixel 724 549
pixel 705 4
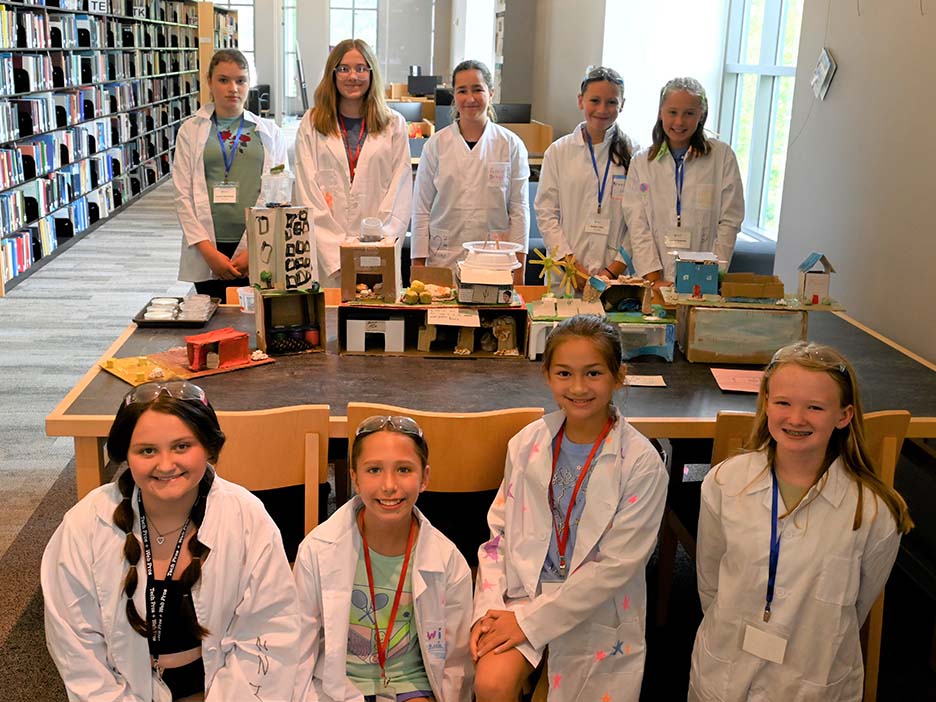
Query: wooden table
pixel 890 378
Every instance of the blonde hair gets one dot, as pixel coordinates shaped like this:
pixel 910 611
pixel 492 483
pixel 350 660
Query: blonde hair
pixel 847 443
pixel 324 115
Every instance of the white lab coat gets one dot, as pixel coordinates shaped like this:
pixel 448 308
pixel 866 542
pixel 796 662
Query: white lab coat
pixel 712 207
pixel 383 186
pixel 828 577
pixel 567 197
pixel 594 623
pixel 245 598
pixel 464 194
pixel 192 197
pixel 441 582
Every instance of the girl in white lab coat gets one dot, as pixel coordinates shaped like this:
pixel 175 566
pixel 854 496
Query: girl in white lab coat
pixel 171 583
pixel 581 186
pixel 221 153
pixel 796 539
pixel 472 181
pixel 572 527
pixel 684 192
pixel 352 156
pixel 384 598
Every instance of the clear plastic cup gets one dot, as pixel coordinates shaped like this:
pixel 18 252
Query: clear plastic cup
pixel 245 296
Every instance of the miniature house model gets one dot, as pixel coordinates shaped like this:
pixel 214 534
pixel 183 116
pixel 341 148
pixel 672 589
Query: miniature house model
pixel 814 285
pixel 371 270
pixel 485 277
pixel 281 248
pixel 696 268
pixel 222 348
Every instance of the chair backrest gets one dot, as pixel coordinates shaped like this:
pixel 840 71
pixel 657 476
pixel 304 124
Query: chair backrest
pixel 731 431
pixel 466 451
pixel 231 296
pixel 884 433
pixel 276 448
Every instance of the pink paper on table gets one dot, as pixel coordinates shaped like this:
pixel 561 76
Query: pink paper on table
pixel 731 380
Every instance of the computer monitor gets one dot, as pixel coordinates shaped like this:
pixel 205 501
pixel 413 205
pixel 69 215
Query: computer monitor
pixel 422 86
pixel 411 111
pixel 512 112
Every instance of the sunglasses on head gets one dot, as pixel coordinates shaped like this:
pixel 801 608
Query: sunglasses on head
pixel 178 389
pixel 811 351
pixel 404 425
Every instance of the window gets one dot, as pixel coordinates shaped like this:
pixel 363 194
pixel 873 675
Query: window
pixel 290 89
pixel 757 98
pixel 245 31
pixel 353 19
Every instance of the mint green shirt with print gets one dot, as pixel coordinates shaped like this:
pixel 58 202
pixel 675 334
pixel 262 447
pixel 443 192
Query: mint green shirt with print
pixel 404 659
pixel 229 218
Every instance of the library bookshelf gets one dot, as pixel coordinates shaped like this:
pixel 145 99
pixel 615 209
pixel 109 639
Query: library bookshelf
pixel 92 94
pixel 217 29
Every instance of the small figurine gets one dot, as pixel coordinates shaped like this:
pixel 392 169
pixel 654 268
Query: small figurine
pixel 465 344
pixel 505 331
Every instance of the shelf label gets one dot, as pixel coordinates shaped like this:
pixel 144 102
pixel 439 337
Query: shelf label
pixel 98 7
pixel 453 317
pixel 139 9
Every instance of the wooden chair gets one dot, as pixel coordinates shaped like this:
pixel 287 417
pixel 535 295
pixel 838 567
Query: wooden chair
pixel 230 296
pixel 277 448
pixel 884 432
pixel 681 516
pixel 466 455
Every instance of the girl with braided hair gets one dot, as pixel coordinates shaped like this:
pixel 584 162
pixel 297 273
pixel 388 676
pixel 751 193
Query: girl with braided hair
pixel 170 583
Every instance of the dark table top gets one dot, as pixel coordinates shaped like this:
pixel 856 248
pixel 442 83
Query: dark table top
pixel 888 379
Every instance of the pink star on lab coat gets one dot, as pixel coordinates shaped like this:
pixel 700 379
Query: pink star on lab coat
pixel 490 548
pixel 632 499
pixel 556 680
pixel 600 655
pixel 485 585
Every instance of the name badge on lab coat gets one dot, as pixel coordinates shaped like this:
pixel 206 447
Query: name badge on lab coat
pixel 596 225
pixel 224 194
pixel 617 187
pixel 498 174
pixel 678 238
pixel 764 644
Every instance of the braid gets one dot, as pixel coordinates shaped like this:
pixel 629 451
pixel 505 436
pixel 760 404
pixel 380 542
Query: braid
pixel 620 152
pixel 199 552
pixel 123 518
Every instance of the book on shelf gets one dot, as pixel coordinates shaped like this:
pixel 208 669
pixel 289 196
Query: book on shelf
pixel 11 168
pixel 63 31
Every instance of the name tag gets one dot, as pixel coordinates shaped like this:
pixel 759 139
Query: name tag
pixel 677 238
pixel 498 173
pixel 763 644
pixel 596 225
pixel 617 187
pixel 224 194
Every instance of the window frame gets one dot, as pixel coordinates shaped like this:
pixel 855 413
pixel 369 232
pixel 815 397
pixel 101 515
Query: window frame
pixel 352 5
pixel 768 71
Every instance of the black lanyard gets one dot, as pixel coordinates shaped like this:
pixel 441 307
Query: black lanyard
pixel 156 610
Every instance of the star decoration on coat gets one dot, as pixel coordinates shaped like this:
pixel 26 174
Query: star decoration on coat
pixel 618 648
pixel 606 698
pixel 556 680
pixel 600 655
pixel 625 603
pixel 490 548
pixel 632 499
pixel 486 585
pixel 534 449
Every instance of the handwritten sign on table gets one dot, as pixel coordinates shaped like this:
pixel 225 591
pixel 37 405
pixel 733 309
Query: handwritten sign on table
pixel 730 380
pixel 453 317
pixel 646 381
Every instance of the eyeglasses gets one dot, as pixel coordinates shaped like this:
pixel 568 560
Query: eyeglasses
pixel 178 389
pixel 404 425
pixel 811 351
pixel 608 74
pixel 343 70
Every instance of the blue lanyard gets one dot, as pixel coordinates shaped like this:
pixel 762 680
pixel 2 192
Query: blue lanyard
pixel 774 545
pixel 604 182
pixel 680 177
pixel 228 158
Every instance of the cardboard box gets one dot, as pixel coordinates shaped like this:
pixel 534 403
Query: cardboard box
pixel 648 340
pixel 536 136
pixel 290 322
pixel 751 286
pixel 736 334
pixel 436 275
pixel 484 287
pixel 371 263
pixel 281 248
pixel 391 330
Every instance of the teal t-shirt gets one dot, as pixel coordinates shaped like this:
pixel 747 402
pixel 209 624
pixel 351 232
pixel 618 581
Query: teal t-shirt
pixel 404 659
pixel 228 218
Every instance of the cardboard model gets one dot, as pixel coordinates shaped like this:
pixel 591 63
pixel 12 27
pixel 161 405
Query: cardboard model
pixel 814 285
pixel 374 265
pixel 281 246
pixel 696 268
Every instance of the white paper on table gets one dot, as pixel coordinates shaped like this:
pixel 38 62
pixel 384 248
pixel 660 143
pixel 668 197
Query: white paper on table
pixel 645 381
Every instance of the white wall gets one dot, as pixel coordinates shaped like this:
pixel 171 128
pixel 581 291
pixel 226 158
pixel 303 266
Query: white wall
pixel 404 36
pixel 639 44
pixel 472 31
pixel 859 175
pixel 569 37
